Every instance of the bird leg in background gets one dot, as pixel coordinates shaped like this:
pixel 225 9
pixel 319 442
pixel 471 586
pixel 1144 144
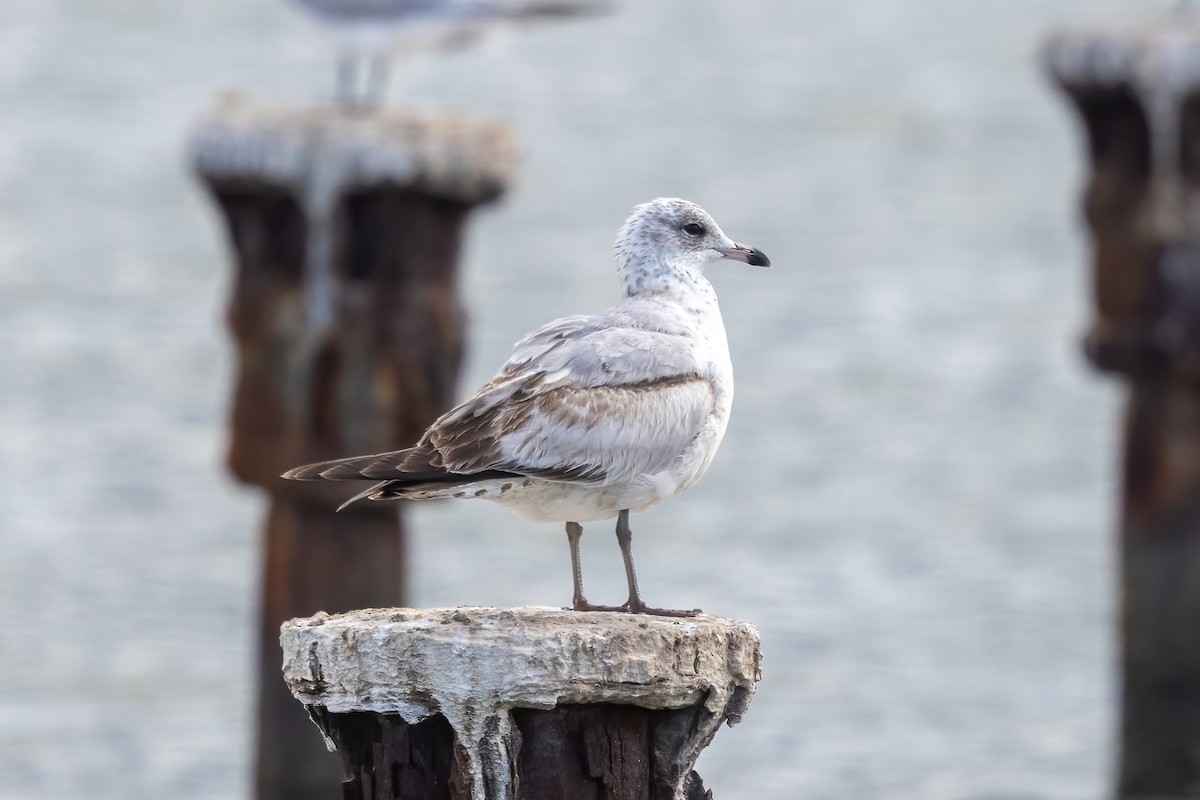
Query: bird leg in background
pixel 378 71
pixel 347 79
pixel 635 604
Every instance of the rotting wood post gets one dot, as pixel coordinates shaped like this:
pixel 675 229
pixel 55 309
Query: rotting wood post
pixel 345 229
pixel 1138 93
pixel 522 703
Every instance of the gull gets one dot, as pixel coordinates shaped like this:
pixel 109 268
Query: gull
pixel 593 416
pixel 370 31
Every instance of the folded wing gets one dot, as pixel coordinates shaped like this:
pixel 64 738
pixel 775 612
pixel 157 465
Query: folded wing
pixel 578 401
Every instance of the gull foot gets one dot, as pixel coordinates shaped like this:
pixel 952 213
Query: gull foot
pixel 634 608
pixel 584 605
pixel 642 608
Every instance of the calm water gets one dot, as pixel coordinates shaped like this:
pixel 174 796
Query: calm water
pixel 915 497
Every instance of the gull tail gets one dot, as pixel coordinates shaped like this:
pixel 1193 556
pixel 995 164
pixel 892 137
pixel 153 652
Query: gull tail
pixel 364 494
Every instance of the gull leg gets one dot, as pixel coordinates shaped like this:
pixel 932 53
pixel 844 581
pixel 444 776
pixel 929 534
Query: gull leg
pixel 635 604
pixel 379 70
pixel 347 74
pixel 578 601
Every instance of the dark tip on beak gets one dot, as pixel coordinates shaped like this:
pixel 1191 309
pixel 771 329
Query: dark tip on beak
pixel 748 255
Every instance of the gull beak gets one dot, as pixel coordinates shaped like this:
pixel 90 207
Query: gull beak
pixel 747 255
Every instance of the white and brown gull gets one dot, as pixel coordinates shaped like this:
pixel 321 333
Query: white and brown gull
pixel 593 416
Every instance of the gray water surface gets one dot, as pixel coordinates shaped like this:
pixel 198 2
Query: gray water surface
pixel 915 497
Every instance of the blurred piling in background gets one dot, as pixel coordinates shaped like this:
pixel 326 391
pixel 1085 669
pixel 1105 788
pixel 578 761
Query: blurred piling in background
pixel 535 703
pixel 345 228
pixel 1138 94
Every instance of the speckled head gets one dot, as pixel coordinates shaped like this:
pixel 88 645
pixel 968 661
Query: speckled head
pixel 669 234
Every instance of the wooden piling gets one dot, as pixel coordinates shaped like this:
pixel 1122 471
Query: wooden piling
pixel 530 703
pixel 1138 93
pixel 345 227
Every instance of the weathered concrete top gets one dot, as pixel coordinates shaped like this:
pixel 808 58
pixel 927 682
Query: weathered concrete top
pixel 328 150
pixel 417 662
pixel 472 665
pixel 1163 54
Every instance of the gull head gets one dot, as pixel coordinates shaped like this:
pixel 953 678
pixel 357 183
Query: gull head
pixel 670 234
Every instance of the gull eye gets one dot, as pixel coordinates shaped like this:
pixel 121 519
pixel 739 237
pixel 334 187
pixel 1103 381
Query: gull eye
pixel 693 229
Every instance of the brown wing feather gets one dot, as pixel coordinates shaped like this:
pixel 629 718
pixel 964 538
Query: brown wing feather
pixel 339 466
pixel 420 463
pixel 414 465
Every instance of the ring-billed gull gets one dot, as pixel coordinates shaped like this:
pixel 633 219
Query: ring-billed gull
pixel 593 416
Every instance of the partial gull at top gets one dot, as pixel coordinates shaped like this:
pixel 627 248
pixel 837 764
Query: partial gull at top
pixel 371 32
pixel 593 416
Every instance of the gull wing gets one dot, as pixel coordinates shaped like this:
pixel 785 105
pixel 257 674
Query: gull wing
pixel 580 401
